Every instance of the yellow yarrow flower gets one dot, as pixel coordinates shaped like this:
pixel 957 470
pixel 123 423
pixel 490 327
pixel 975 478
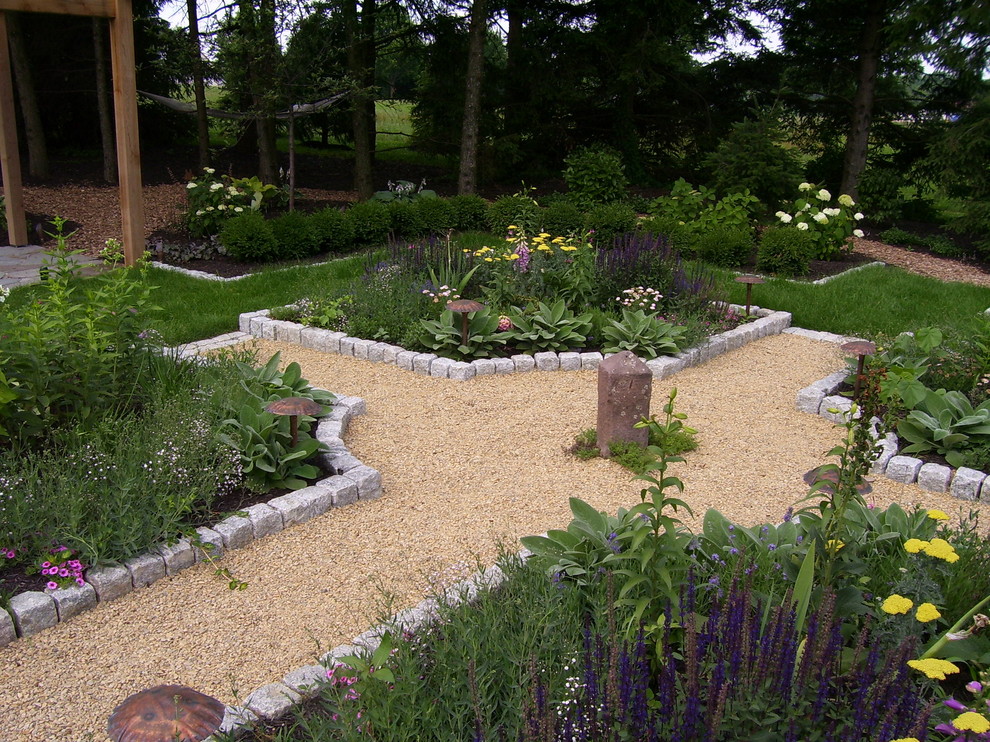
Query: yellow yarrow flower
pixel 934 668
pixel 896 604
pixel 833 545
pixel 513 226
pixel 914 545
pixel 927 612
pixel 514 256
pixel 971 722
pixel 544 248
pixel 557 240
pixel 941 549
pixel 568 248
pixel 905 739
pixel 937 515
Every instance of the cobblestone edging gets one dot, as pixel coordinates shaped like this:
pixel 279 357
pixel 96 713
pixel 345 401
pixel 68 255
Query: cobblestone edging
pixel 260 324
pixel 274 701
pixel 34 611
pixel 819 398
pixel 207 276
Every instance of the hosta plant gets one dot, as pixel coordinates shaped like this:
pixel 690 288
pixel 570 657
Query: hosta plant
pixel 643 334
pixel 947 423
pixel 445 337
pixel 553 327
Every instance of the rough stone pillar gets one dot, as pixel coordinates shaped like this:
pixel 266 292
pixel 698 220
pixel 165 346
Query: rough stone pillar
pixel 624 387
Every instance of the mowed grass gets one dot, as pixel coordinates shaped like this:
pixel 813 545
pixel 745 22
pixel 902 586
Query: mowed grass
pixel 872 302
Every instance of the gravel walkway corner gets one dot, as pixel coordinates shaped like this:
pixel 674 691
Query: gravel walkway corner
pixel 465 465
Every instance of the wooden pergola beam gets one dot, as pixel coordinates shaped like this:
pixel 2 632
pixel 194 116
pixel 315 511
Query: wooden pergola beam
pixel 125 117
pixel 102 8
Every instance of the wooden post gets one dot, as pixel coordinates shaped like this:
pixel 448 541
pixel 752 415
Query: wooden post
pixel 126 119
pixel 10 159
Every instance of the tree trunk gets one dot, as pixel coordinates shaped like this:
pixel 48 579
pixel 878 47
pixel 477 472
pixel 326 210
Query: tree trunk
pixel 361 66
pixel 472 98
pixel 857 141
pixel 199 86
pixel 34 132
pixel 104 103
pixel 259 26
pixel 516 86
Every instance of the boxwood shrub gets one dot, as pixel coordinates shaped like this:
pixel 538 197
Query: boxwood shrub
pixel 249 236
pixel 785 251
pixel 333 230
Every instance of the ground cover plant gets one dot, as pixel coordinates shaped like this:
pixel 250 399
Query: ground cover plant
pixel 629 626
pixel 109 444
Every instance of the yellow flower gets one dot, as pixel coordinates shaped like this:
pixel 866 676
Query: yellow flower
pixel 510 239
pixel 971 722
pixel 544 235
pixel 934 668
pixel 513 226
pixel 896 604
pixel 905 739
pixel 557 240
pixel 937 515
pixel 489 260
pixel 927 612
pixel 514 256
pixel 833 545
pixel 941 549
pixel 545 248
pixel 568 248
pixel 914 545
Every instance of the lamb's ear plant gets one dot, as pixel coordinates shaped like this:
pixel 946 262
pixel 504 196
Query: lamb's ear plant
pixel 444 335
pixel 947 423
pixel 549 328
pixel 642 334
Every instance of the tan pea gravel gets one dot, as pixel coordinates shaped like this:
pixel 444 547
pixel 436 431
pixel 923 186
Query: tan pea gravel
pixel 465 465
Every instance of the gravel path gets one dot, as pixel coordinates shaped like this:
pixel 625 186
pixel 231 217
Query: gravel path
pixel 465 465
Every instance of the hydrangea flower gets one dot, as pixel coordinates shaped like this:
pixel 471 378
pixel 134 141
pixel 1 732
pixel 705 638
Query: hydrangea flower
pixel 824 195
pixel 803 226
pixel 820 217
pixel 805 187
pixel 846 200
pixel 858 215
pixel 858 233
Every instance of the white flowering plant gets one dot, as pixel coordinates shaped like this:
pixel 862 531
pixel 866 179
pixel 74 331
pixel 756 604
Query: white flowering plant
pixel 829 222
pixel 214 199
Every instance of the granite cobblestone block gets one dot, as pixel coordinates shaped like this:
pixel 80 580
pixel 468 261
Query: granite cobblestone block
pixel 504 366
pixel 406 359
pixel 368 481
pixel 71 601
pixel 440 368
pixel 208 536
pixel 145 569
pixel 591 360
pixel 7 631
pixel 483 366
pixel 177 556
pixel 461 371
pixel 966 483
pixel 347 346
pixel 362 348
pixel 110 581
pixel 546 361
pixel 343 490
pixel 934 477
pixel 356 405
pixel 903 469
pixel 236 531
pixel 523 363
pixel 307 680
pixel 272 701
pixel 422 363
pixel 265 520
pixel 569 361
pixel 33 612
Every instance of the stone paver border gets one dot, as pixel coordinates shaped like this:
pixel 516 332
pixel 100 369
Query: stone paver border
pixel 819 398
pixel 34 611
pixel 260 324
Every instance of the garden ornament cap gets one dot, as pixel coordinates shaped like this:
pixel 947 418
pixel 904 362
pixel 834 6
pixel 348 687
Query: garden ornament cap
pixel 294 407
pixel 750 281
pixel 464 307
pixel 815 475
pixel 165 713
pixel 861 349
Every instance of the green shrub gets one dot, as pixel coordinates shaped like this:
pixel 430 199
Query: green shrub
pixel 642 334
pixel 679 235
pixel 547 328
pixel 608 221
pixel 249 236
pixel 294 236
pixel 700 210
pixel 372 221
pixel 436 215
pixel 595 175
pixel 941 245
pixel 470 212
pixel 333 230
pixel 749 159
pixel 784 251
pixel 562 218
pixel 518 210
pixel 406 220
pixel 901 237
pixel 725 247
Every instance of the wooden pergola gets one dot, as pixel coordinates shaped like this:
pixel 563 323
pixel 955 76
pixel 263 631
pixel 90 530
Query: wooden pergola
pixel 120 14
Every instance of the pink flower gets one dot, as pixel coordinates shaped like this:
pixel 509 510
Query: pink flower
pixel 80 581
pixel 63 573
pixel 52 585
pixel 9 553
pixel 46 565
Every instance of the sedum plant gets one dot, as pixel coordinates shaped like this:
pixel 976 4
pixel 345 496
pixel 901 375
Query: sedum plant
pixel 643 334
pixel 443 336
pixel 553 327
pixel 947 423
